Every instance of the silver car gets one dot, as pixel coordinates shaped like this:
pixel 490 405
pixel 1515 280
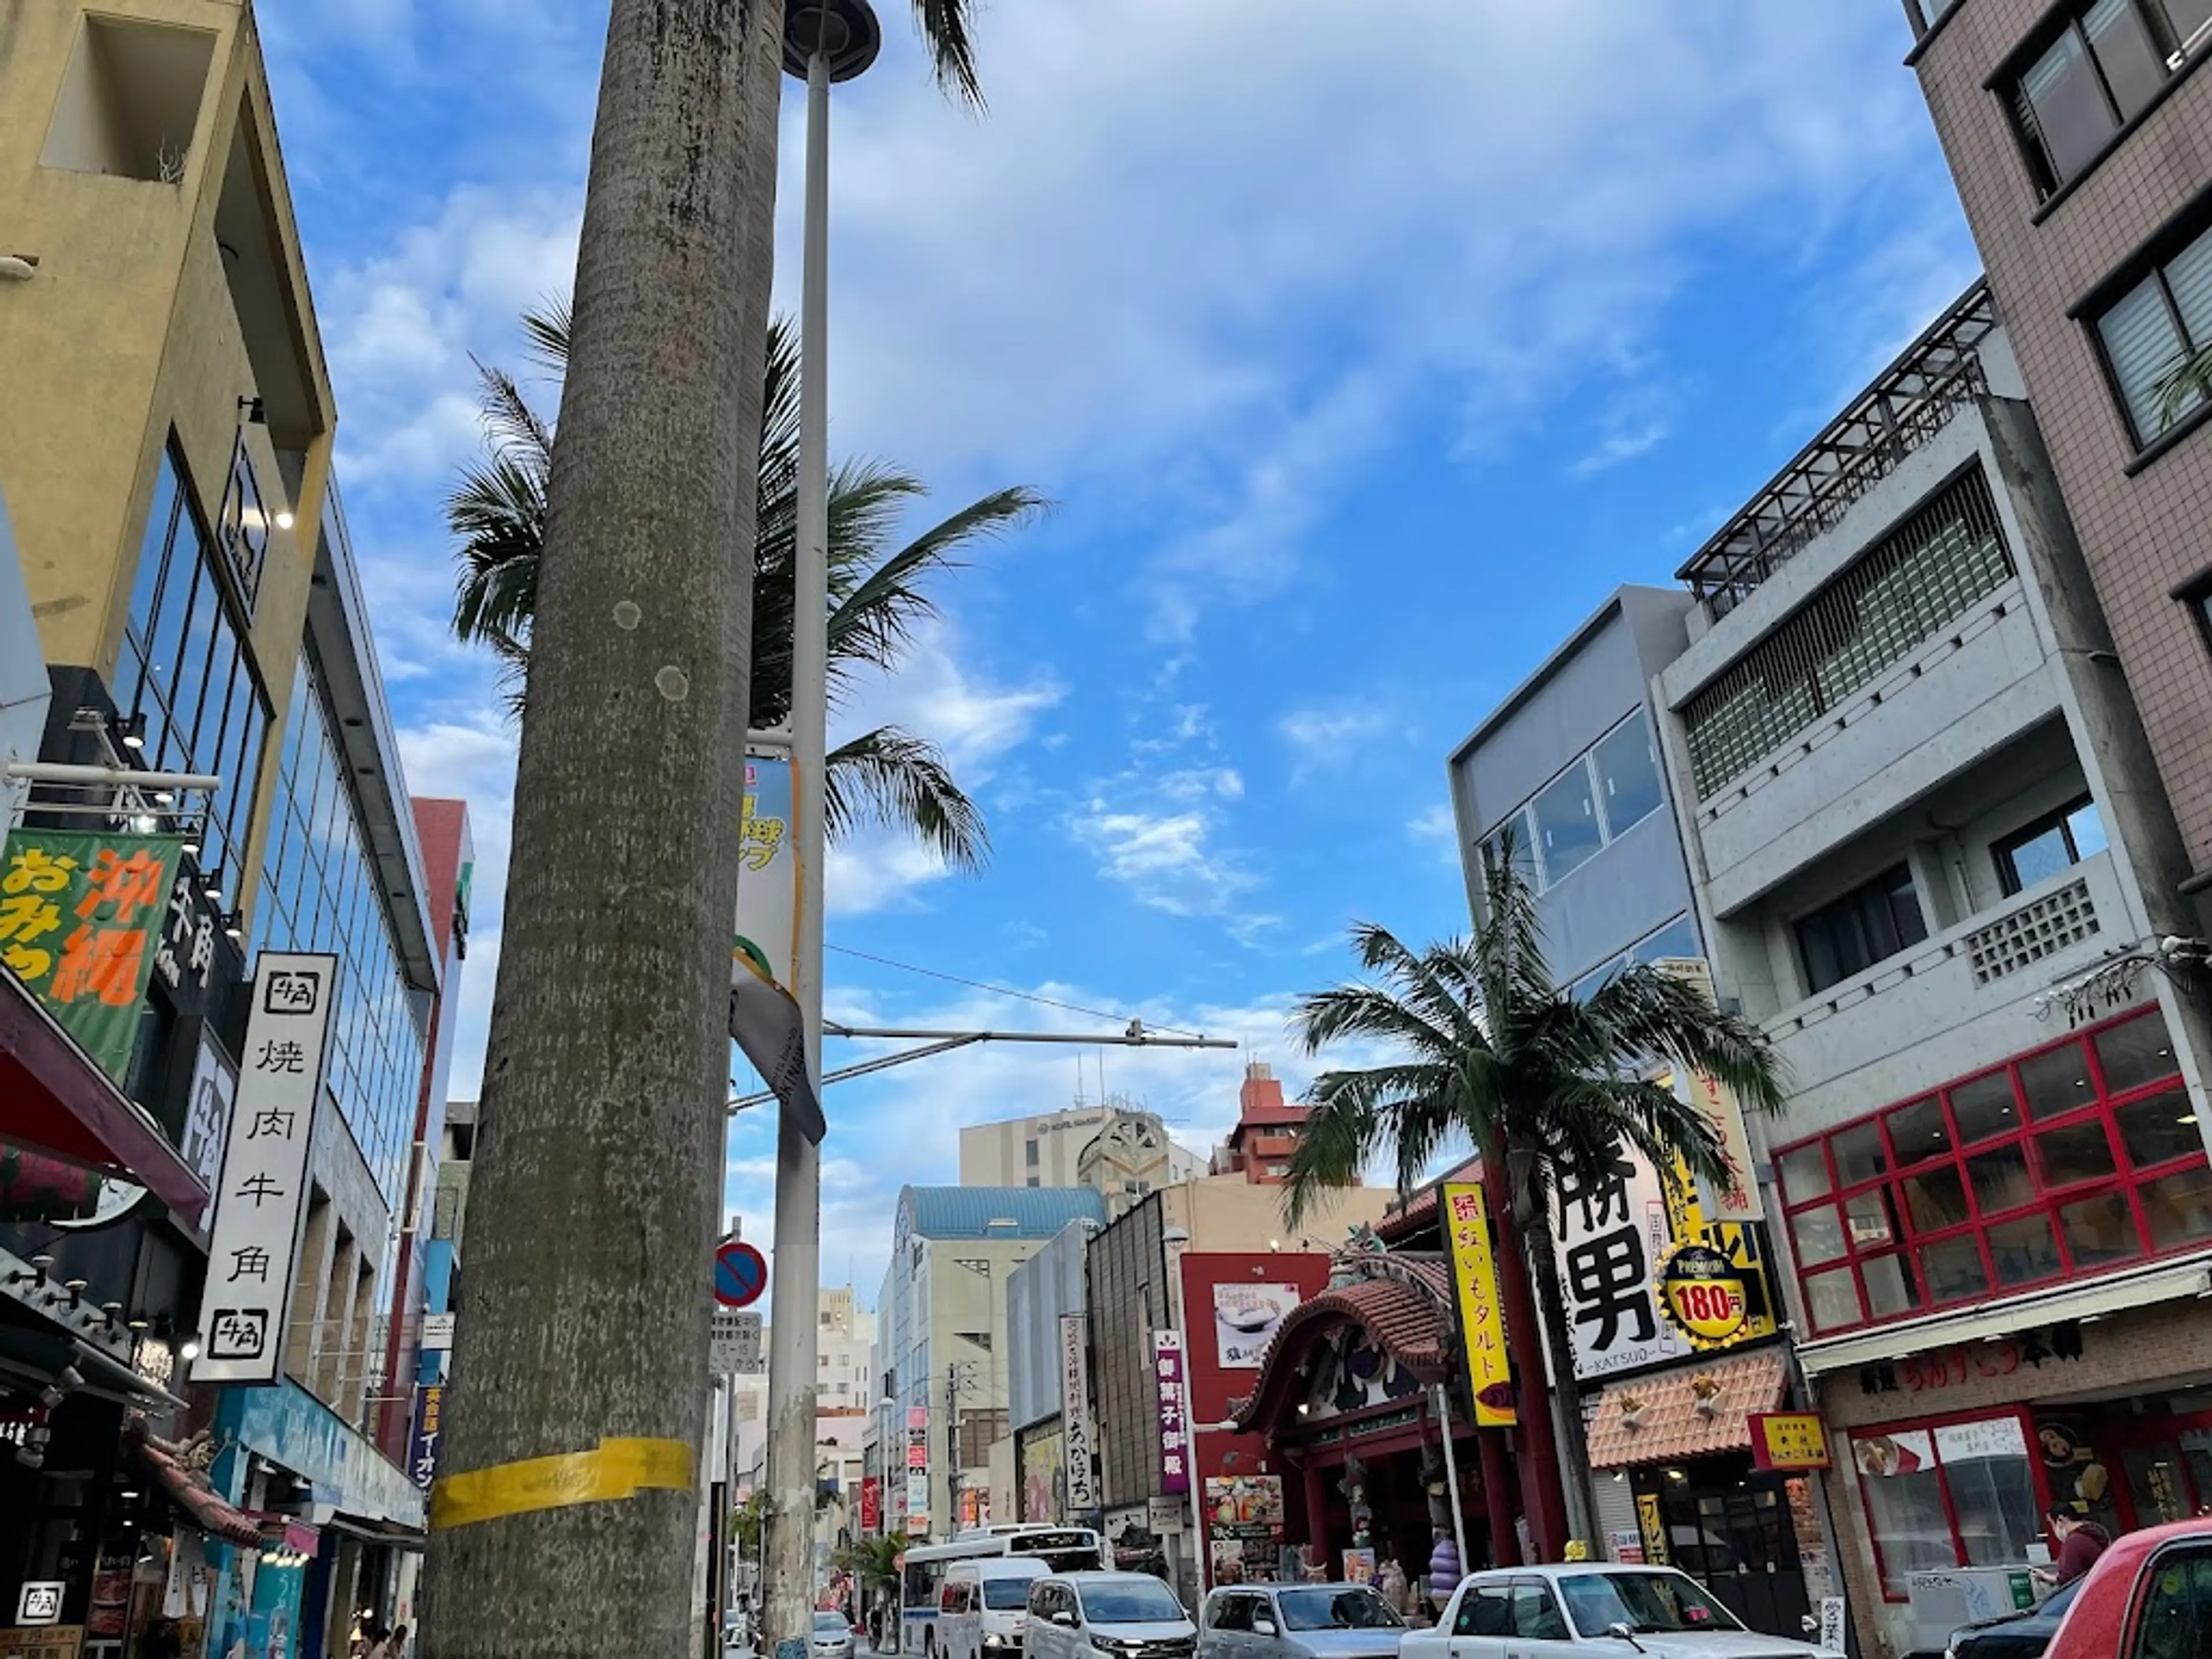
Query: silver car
pixel 1298 1621
pixel 833 1636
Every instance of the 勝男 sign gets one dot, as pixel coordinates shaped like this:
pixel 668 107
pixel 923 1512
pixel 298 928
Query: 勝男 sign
pixel 262 1200
pixel 1788 1440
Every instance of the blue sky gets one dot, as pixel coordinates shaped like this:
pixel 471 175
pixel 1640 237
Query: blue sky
pixel 1360 363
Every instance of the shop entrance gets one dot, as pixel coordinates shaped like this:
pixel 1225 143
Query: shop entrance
pixel 2130 1463
pixel 1730 1526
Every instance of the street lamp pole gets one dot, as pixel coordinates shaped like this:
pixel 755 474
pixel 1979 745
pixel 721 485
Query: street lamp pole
pixel 824 41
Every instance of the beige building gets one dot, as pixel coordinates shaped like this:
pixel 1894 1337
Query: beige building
pixel 1047 1150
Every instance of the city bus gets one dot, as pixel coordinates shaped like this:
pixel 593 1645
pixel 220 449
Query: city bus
pixel 1061 1549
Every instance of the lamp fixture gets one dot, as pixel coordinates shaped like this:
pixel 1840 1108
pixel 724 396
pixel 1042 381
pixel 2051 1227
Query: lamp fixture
pixel 188 1349
pixel 130 731
pixel 284 520
pixel 233 923
pixel 18 267
pixel 255 410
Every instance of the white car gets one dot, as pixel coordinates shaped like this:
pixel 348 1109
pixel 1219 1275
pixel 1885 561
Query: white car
pixel 983 1609
pixel 1589 1610
pixel 1124 1615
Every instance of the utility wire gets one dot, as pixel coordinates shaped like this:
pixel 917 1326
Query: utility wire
pixel 1008 991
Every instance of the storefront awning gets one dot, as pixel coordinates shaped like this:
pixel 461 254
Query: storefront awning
pixel 33 1346
pixel 2114 1293
pixel 201 1506
pixel 1692 1412
pixel 1406 1311
pixel 57 1099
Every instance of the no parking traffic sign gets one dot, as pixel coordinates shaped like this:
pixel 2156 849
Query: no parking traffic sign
pixel 740 1274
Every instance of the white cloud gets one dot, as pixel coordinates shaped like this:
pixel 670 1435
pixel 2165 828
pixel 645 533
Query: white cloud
pixel 1167 860
pixel 1319 737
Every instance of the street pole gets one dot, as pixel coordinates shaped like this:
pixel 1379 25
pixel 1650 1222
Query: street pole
pixel 1451 1475
pixel 838 39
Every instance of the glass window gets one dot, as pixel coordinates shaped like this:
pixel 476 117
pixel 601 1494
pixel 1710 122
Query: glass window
pixel 2023 1250
pixel 1918 1133
pixel 2057 1083
pixel 1992 1488
pixel 2133 64
pixel 1859 1155
pixel 1936 1198
pixel 2053 843
pixel 1832 1299
pixel 1986 1107
pixel 2101 1231
pixel 1516 826
pixel 2177 1208
pixel 2177 1609
pixel 1536 1615
pixel 1627 774
pixel 1999 1179
pixel 153 552
pixel 1867 925
pixel 1905 1506
pixel 2187 19
pixel 2066 108
pixel 1565 816
pixel 1952 1270
pixel 2152 331
pixel 2135 1053
pixel 1596 980
pixel 1889 1289
pixel 1867 1219
pixel 1818 1235
pixel 1804 1172
pixel 2076 1153
pixel 2159 1129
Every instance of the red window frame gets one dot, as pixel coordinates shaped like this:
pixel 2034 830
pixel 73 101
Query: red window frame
pixel 1904 1241
pixel 2022 1414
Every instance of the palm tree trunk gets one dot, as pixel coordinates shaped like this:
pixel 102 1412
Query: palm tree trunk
pixel 599 1170
pixel 1536 1456
pixel 1574 1452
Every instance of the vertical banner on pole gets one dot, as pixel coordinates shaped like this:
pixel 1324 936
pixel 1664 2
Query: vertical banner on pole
pixel 1482 1320
pixel 765 1021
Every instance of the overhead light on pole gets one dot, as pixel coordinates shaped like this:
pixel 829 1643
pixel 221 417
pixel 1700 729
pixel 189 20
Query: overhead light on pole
pixel 824 41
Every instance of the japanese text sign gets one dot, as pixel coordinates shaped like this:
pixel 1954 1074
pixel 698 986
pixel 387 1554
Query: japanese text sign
pixel 1244 1320
pixel 1737 1198
pixel 80 921
pixel 263 1199
pixel 1078 1428
pixel 429 1427
pixel 1788 1440
pixel 768 882
pixel 1175 1421
pixel 1481 1319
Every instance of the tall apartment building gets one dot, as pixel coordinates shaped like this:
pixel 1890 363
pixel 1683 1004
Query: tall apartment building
pixel 199 618
pixel 1265 1134
pixel 1047 1149
pixel 941 1321
pixel 2075 132
pixel 1920 813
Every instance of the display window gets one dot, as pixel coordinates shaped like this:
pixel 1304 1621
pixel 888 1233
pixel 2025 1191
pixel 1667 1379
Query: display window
pixel 1940 1493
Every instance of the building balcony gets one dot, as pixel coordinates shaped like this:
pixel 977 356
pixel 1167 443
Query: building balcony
pixel 1957 1000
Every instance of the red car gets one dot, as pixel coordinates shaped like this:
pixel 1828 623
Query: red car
pixel 2149 1596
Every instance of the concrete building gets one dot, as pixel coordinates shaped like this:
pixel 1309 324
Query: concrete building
pixel 1047 1150
pixel 200 613
pixel 942 1320
pixel 1056 1460
pixel 1568 762
pixel 1265 1134
pixel 1921 815
pixel 2075 133
pixel 1132 1155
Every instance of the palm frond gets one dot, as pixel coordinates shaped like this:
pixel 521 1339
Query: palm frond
pixel 1367 1011
pixel 1645 1012
pixel 2186 383
pixel 497 511
pixel 548 327
pixel 512 428
pixel 947 30
pixel 894 777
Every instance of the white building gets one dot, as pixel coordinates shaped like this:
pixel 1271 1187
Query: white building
pixel 1047 1150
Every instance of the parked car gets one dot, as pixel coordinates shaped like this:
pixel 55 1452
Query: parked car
pixel 1298 1621
pixel 983 1609
pixel 833 1636
pixel 2023 1634
pixel 1128 1615
pixel 2149 1596
pixel 1591 1611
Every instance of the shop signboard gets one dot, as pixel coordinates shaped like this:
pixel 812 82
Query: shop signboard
pixel 1614 1241
pixel 1359 1566
pixel 872 1503
pixel 43 1642
pixel 39 1602
pixel 427 1429
pixel 1653 1526
pixel 1175 1426
pixel 1481 1316
pixel 80 922
pixel 1244 1505
pixel 1042 1477
pixel 1245 1318
pixel 1079 1428
pixel 1736 1198
pixel 263 1199
pixel 1788 1440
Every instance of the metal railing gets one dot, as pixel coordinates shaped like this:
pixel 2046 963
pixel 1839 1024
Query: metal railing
pixel 1913 583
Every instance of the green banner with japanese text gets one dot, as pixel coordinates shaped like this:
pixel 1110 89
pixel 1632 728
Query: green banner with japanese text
pixel 80 918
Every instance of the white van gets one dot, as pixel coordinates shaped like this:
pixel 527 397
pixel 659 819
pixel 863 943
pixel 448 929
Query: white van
pixel 983 1610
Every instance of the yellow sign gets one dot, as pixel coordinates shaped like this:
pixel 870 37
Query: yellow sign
pixel 1481 1319
pixel 1654 1529
pixel 1736 1240
pixel 1788 1440
pixel 1701 1292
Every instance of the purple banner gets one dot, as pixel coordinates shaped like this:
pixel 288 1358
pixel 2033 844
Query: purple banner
pixel 1175 1428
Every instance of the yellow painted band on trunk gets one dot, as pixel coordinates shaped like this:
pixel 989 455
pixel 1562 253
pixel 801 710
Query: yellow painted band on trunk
pixel 617 1469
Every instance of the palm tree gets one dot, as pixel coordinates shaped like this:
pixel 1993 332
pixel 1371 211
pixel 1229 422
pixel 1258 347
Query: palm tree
pixel 1547 1089
pixel 876 600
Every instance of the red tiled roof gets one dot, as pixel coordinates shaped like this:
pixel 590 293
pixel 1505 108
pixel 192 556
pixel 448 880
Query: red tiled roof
pixel 1403 1224
pixel 189 1490
pixel 1402 1320
pixel 1670 1427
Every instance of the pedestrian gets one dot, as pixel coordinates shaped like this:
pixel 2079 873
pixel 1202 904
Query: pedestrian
pixel 398 1648
pixel 2080 1541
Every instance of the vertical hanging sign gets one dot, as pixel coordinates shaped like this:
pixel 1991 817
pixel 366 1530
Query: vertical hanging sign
pixel 263 1199
pixel 1482 1320
pixel 1175 1427
pixel 1734 1198
pixel 1080 1434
